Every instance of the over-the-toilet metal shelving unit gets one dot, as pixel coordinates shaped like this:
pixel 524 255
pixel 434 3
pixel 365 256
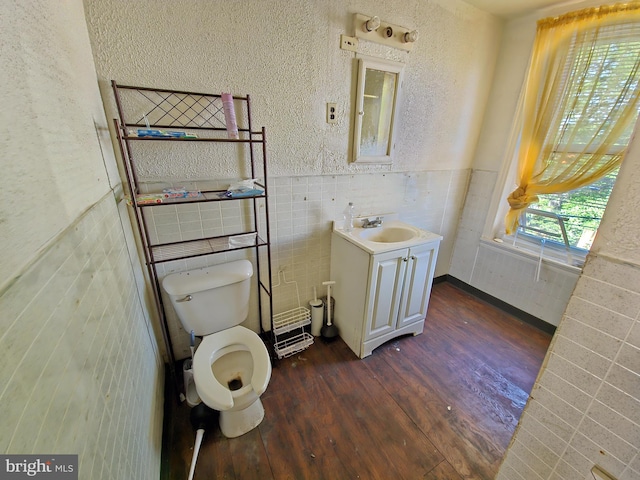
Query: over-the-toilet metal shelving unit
pixel 201 114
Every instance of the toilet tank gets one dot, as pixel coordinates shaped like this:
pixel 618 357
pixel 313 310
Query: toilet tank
pixel 211 299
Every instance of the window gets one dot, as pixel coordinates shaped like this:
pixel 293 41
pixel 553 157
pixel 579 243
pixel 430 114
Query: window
pixel 578 111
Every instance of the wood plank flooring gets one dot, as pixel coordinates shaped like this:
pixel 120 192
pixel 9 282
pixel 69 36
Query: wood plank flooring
pixel 441 405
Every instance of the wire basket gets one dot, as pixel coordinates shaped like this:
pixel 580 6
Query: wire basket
pixel 291 346
pixel 288 326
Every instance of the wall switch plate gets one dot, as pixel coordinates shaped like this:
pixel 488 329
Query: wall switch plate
pixel 332 113
pixel 348 43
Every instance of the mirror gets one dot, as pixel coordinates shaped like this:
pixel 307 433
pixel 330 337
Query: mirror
pixel 377 95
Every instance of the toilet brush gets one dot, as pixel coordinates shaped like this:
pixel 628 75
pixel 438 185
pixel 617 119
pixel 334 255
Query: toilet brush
pixel 329 331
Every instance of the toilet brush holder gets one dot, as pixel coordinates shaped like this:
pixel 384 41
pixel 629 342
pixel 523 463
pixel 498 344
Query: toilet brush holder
pixel 190 392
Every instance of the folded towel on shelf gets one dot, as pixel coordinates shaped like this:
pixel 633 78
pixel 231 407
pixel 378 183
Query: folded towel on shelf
pixel 243 188
pixel 246 240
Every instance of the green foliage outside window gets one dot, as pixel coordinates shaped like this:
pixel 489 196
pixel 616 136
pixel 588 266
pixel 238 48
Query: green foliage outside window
pixel 580 209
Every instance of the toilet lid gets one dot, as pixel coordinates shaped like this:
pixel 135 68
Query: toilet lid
pixel 212 392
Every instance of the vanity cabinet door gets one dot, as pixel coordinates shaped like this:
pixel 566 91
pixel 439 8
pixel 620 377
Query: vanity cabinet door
pixel 385 292
pixel 417 283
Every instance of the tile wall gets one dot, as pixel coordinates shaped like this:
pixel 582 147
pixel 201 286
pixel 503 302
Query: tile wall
pixel 585 407
pixel 301 211
pixel 80 371
pixel 472 222
pixel 502 273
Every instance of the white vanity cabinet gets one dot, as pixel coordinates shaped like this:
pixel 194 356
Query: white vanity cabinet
pixel 380 296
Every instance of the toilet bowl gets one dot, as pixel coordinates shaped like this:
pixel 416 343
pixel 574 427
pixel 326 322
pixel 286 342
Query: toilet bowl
pixel 231 370
pixel 231 366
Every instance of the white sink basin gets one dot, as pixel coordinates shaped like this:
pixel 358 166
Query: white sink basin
pixel 390 234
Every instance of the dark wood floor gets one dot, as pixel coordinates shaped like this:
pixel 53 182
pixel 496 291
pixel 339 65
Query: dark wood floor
pixel 441 405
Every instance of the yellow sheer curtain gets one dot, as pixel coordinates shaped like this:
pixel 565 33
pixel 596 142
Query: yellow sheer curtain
pixel 574 129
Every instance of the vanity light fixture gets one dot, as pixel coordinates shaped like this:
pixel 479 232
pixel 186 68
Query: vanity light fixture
pixel 411 36
pixel 371 28
pixel 372 24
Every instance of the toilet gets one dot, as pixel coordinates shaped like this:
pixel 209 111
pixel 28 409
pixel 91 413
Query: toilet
pixel 231 366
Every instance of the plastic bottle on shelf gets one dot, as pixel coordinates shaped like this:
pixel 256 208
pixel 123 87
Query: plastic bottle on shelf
pixel 349 214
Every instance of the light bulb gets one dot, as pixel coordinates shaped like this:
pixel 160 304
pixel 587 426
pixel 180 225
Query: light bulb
pixel 372 24
pixel 411 36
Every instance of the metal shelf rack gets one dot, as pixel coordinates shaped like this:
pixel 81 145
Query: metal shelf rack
pixel 203 115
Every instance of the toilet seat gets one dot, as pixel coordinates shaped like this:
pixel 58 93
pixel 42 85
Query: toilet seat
pixel 212 392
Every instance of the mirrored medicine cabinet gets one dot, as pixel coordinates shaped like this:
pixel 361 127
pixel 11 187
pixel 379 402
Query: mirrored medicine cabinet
pixel 377 97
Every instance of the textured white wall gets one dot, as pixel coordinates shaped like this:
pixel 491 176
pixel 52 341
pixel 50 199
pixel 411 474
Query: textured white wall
pixel 51 117
pixel 80 370
pixel 286 55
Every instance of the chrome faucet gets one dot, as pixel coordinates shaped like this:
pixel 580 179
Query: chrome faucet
pixel 366 223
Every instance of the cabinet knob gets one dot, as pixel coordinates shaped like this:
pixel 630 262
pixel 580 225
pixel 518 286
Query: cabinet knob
pixel 413 257
pixel 405 259
pixel 188 298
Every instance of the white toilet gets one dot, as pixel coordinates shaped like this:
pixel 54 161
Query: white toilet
pixel 231 366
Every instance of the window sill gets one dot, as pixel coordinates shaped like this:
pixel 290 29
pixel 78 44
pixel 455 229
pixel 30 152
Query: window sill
pixel 554 258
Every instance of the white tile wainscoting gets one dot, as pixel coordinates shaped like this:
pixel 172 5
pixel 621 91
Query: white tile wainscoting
pixel 501 272
pixel 80 370
pixel 585 407
pixel 302 209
